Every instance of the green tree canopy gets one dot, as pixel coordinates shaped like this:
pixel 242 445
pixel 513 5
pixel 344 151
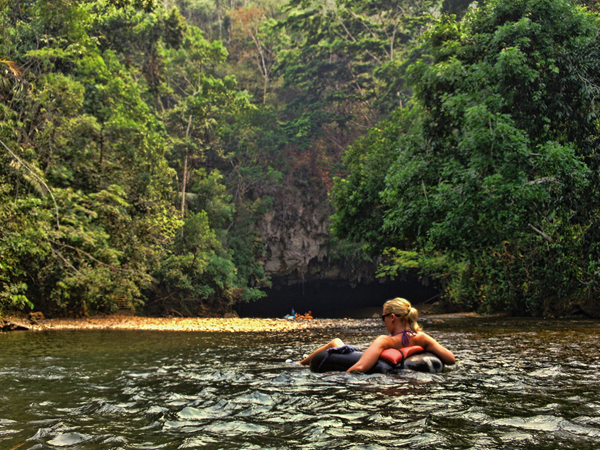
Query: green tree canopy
pixel 103 102
pixel 501 171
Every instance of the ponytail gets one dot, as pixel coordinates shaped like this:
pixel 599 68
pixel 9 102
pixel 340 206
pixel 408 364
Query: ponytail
pixel 411 318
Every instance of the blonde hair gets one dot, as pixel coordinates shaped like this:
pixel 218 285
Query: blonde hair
pixel 402 309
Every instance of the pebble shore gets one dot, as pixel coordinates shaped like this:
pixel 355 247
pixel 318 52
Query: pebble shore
pixel 245 325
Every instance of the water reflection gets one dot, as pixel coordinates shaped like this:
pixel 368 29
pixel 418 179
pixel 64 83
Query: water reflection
pixel 518 384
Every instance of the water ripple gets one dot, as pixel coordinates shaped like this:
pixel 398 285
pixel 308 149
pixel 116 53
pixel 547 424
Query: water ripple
pixel 516 385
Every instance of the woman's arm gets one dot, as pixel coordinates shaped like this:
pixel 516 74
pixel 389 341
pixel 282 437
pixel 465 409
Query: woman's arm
pixel 335 343
pixel 429 344
pixel 371 355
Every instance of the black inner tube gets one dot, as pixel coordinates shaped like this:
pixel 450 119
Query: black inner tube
pixel 330 361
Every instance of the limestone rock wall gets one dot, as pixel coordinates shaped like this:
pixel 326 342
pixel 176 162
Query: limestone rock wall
pixel 296 237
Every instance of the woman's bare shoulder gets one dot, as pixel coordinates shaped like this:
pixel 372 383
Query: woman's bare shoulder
pixel 421 338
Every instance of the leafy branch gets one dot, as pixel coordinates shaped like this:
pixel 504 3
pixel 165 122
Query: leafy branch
pixel 26 166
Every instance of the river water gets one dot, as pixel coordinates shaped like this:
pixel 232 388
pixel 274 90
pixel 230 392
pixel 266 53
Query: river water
pixel 517 384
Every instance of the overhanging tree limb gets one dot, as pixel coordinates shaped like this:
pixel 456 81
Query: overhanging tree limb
pixel 25 165
pixel 78 250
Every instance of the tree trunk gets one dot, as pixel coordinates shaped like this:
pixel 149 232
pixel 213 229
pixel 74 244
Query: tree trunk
pixel 185 170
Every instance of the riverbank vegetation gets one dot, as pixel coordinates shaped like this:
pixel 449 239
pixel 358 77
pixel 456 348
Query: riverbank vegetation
pixel 142 143
pixel 489 179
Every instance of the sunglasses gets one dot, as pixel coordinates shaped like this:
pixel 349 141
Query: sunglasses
pixel 383 316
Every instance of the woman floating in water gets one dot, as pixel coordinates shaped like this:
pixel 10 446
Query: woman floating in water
pixel 400 320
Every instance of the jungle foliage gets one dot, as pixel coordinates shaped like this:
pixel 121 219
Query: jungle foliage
pixel 489 179
pixel 107 118
pixel 142 142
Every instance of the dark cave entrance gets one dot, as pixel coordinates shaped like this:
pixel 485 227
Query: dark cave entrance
pixel 329 299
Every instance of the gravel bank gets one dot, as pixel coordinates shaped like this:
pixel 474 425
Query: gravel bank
pixel 246 325
pixel 206 325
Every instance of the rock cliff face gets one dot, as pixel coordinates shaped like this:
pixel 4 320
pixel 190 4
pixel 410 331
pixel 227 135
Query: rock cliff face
pixel 296 237
pixel 308 275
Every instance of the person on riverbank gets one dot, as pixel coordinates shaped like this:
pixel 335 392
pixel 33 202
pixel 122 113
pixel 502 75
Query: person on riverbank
pixel 400 320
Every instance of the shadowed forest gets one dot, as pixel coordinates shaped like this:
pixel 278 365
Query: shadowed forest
pixel 143 142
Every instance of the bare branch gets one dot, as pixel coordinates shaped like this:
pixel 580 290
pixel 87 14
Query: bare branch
pixel 336 143
pixel 541 233
pixel 65 261
pixel 544 180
